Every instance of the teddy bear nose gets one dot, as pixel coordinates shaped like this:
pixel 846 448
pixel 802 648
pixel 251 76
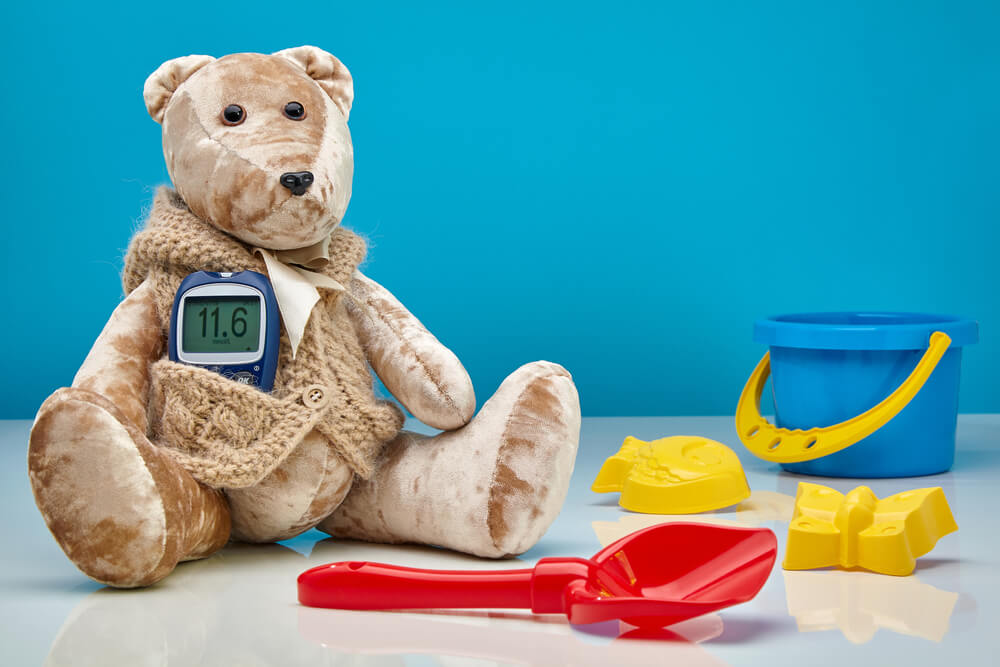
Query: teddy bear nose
pixel 297 181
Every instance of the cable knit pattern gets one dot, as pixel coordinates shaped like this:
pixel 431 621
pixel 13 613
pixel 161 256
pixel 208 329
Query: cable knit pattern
pixel 229 435
pixel 216 429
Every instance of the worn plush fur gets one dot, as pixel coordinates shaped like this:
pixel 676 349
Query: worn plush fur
pixel 120 464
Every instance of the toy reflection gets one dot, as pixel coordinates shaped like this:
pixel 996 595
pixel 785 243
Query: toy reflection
pixel 859 603
pixel 760 507
pixel 225 610
pixel 479 638
pixel 228 609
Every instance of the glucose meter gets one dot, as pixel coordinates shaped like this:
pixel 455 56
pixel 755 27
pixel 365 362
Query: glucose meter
pixel 227 323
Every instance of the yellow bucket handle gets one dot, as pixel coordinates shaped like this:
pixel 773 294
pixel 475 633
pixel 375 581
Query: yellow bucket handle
pixel 783 445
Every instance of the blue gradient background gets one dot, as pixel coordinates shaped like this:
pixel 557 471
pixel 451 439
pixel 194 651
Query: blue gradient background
pixel 619 187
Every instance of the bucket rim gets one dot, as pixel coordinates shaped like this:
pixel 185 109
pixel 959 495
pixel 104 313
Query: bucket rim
pixel 862 330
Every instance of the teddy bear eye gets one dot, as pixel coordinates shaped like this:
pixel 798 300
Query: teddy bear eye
pixel 295 111
pixel 233 115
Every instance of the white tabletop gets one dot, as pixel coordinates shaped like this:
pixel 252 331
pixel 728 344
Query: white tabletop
pixel 239 607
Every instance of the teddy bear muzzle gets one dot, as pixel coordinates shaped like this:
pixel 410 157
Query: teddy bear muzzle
pixel 297 181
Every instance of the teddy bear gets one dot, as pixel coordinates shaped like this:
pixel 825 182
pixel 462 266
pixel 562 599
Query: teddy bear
pixel 144 462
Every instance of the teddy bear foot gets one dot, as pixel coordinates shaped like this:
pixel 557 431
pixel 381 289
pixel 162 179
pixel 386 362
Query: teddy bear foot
pixel 491 488
pixel 123 511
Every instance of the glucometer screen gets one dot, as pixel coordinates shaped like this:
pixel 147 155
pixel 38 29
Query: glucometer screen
pixel 221 324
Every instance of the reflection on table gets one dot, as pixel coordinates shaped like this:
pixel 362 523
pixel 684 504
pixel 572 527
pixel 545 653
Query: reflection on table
pixel 859 603
pixel 230 609
pixel 760 507
pixel 502 638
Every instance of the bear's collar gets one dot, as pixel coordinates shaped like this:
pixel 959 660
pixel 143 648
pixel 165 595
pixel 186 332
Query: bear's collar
pixel 296 290
pixel 313 257
pixel 177 240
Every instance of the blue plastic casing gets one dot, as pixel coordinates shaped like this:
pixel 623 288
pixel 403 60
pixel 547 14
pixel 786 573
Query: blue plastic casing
pixel 830 367
pixel 259 371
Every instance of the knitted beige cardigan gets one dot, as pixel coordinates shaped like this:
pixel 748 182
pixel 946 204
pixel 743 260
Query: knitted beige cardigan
pixel 230 435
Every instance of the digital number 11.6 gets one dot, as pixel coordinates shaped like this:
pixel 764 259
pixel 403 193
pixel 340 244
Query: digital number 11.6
pixel 237 323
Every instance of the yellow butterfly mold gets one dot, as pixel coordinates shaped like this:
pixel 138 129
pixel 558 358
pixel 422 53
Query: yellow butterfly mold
pixel 859 530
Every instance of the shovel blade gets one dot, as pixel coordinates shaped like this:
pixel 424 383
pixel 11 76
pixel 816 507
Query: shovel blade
pixel 672 572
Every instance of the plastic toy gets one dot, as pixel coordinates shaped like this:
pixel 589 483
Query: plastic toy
pixel 678 475
pixel 829 369
pixel 859 530
pixel 655 577
pixel 145 462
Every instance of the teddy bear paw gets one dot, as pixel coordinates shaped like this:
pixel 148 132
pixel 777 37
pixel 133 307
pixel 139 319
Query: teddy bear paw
pixel 539 410
pixel 121 509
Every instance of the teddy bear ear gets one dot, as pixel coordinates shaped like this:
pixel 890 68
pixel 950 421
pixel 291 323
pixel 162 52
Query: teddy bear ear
pixel 162 83
pixel 326 70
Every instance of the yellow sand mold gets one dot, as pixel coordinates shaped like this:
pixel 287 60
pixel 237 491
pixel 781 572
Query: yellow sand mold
pixel 679 475
pixel 859 530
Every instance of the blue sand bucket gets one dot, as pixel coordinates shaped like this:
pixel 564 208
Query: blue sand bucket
pixel 828 370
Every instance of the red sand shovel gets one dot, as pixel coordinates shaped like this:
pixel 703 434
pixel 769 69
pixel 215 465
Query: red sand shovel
pixel 654 577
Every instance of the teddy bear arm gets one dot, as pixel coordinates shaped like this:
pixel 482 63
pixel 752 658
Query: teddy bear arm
pixel 117 366
pixel 426 377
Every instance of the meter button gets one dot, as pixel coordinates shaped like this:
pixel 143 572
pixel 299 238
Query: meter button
pixel 245 377
pixel 314 397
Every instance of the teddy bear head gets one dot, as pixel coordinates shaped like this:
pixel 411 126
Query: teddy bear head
pixel 257 145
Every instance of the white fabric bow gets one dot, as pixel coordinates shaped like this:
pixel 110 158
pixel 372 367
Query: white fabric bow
pixel 296 287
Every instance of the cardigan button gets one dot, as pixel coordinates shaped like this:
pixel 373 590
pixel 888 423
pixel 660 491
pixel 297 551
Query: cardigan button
pixel 314 397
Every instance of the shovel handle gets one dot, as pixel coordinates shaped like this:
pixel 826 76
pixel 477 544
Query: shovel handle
pixel 364 585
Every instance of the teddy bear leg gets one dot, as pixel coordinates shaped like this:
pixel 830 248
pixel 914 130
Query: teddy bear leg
pixel 307 486
pixel 123 511
pixel 490 488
